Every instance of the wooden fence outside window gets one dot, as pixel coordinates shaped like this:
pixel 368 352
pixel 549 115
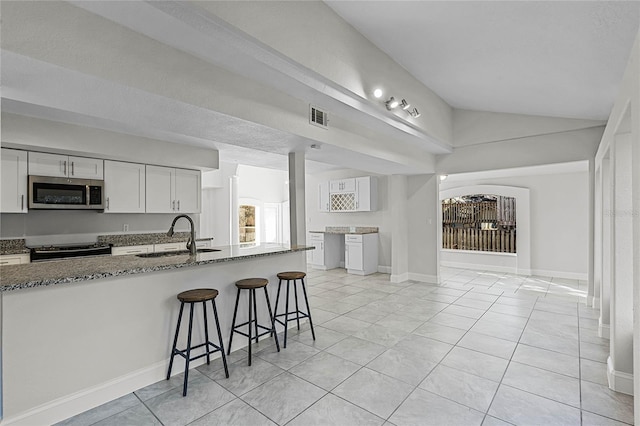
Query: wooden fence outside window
pixel 487 225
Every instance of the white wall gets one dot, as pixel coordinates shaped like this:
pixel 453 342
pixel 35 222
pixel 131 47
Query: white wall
pixel 559 219
pixel 317 220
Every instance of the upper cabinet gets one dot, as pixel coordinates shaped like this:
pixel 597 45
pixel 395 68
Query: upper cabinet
pixel 170 190
pixel 14 181
pixel 349 195
pixel 43 164
pixel 124 185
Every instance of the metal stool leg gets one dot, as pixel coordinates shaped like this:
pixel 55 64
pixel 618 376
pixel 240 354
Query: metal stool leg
pixel 224 357
pixel 273 319
pixel 233 323
pixel 306 300
pixel 275 308
pixel 206 332
pixel 186 363
pixel 255 312
pixel 295 291
pixel 286 315
pixel 175 341
pixel 249 325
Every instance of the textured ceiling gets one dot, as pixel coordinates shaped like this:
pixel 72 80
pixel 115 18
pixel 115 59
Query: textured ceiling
pixel 550 58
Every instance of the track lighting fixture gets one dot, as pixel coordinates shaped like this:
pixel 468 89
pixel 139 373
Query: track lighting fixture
pixel 391 103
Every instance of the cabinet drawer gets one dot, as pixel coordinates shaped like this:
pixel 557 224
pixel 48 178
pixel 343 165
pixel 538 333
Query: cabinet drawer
pixel 169 247
pixel 123 251
pixel 316 236
pixel 350 238
pixel 14 259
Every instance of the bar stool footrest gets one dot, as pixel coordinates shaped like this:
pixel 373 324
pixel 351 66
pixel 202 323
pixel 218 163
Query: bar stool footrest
pixel 183 354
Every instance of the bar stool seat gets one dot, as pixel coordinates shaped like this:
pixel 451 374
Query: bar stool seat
pixel 196 296
pixel 294 276
pixel 252 284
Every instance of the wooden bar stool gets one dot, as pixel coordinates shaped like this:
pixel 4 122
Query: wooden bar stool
pixel 194 296
pixel 288 277
pixel 252 284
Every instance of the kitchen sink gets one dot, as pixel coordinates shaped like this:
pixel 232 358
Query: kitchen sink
pixel 176 253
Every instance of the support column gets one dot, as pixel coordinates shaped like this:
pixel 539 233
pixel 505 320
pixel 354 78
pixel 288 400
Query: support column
pixel 422 211
pixel 399 229
pixel 234 218
pixel 593 298
pixel 620 362
pixel 605 280
pixel 297 213
pixel 591 275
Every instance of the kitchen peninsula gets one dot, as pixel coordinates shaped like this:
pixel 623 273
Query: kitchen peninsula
pixel 110 320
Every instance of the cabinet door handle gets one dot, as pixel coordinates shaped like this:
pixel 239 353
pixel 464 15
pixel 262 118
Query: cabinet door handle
pixel 178 205
pixel 22 202
pixel 64 165
pixel 4 262
pixel 73 168
pixel 321 246
pixel 107 203
pixel 173 205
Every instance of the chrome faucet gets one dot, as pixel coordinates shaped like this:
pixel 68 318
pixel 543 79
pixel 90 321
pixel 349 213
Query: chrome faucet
pixel 191 244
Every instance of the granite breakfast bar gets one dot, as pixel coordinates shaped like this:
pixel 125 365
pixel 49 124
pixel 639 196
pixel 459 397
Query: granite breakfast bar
pixel 111 321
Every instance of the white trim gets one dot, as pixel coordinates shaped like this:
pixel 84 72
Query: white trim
pixel 584 276
pixel 476 266
pixel 399 278
pixel 604 330
pixel 384 269
pixel 78 402
pixel 493 253
pixel 619 381
pixel 593 302
pixel 424 278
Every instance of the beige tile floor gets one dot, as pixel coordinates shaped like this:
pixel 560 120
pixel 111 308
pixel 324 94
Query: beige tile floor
pixel 480 348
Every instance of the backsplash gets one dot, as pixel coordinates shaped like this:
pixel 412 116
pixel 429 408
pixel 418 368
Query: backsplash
pixel 13 246
pixel 123 240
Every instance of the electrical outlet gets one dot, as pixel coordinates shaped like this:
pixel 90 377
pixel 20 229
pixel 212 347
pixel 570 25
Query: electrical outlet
pixel 125 227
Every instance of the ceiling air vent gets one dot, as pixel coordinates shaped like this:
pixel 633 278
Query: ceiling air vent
pixel 317 117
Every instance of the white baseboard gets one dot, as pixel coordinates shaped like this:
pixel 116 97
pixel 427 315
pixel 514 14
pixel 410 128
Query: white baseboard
pixel 619 381
pixel 604 330
pixel 433 279
pixel 78 402
pixel 384 269
pixel 561 274
pixel 86 399
pixel 477 266
pixel 399 278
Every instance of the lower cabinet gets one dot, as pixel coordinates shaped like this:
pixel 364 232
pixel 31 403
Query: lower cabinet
pixel 326 254
pixel 361 253
pixel 122 251
pixel 14 259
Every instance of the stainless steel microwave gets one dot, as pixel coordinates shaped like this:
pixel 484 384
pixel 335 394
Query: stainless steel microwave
pixel 47 192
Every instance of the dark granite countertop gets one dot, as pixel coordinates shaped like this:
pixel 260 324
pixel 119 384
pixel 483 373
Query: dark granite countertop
pixel 15 277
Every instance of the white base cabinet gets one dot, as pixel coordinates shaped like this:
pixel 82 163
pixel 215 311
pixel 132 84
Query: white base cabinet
pixel 361 253
pixel 326 254
pixel 15 259
pixel 14 181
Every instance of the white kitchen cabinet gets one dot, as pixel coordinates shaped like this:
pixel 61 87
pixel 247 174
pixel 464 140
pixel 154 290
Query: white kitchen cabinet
pixel 326 254
pixel 323 197
pixel 124 185
pixel 342 185
pixel 15 259
pixel 172 190
pixel 14 181
pixel 122 251
pixel 43 164
pixel 366 194
pixel 160 248
pixel 361 253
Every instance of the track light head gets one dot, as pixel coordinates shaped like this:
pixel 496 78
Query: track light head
pixel 392 103
pixel 415 113
pixel 405 105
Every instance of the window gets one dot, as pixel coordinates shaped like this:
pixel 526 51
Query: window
pixel 247 216
pixel 479 222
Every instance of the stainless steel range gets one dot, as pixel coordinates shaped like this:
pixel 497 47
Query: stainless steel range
pixel 69 250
